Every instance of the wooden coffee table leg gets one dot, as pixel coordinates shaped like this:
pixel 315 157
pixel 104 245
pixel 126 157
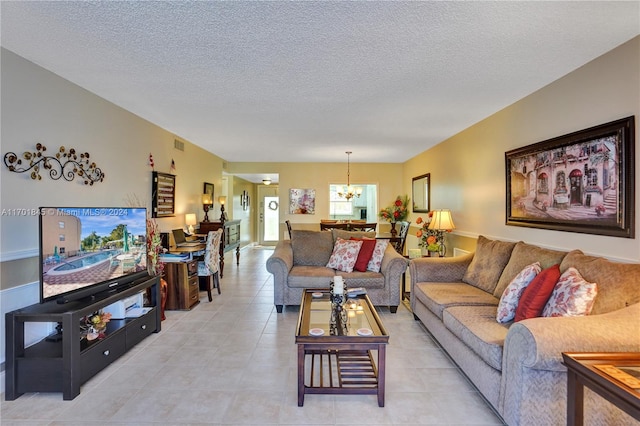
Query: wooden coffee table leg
pixel 300 375
pixel 382 355
pixel 575 400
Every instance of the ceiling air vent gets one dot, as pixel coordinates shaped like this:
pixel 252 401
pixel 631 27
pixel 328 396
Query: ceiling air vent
pixel 224 165
pixel 179 145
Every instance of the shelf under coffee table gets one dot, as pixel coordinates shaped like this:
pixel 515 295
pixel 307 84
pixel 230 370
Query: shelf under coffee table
pixel 340 361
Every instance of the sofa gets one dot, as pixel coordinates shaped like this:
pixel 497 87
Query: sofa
pixel 301 263
pixel 517 366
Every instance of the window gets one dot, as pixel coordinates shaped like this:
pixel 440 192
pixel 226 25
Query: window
pixel 357 208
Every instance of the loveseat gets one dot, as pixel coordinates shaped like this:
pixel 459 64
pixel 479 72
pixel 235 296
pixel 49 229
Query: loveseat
pixel 301 263
pixel 517 366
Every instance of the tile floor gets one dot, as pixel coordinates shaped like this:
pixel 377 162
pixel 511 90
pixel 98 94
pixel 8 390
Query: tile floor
pixel 233 361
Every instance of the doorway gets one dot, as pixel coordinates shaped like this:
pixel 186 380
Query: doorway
pixel 268 215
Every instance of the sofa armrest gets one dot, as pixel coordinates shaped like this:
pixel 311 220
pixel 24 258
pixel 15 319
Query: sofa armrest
pixel 281 261
pixel 439 269
pixel 392 267
pixel 279 264
pixel 538 343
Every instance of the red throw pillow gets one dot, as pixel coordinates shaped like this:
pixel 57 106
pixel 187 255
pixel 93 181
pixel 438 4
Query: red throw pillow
pixel 536 295
pixel 366 251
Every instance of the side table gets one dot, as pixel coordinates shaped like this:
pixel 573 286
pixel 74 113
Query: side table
pixel 603 373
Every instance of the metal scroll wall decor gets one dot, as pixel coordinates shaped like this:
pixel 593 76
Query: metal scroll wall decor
pixel 64 164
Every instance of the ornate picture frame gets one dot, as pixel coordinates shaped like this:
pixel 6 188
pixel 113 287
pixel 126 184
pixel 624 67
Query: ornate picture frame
pixel 580 182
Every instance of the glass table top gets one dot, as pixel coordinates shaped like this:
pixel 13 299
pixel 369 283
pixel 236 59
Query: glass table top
pixel 322 318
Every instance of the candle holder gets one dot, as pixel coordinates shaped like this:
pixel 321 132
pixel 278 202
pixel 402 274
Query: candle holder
pixel 337 299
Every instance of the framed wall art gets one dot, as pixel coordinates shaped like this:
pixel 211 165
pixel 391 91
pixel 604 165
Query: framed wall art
pixel 302 201
pixel 580 182
pixel 163 193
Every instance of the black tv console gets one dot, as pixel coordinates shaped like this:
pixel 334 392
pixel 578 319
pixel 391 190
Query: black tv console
pixel 63 365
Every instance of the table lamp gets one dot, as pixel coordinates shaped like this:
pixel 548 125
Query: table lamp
pixel 190 220
pixel 207 202
pixel 441 221
pixel 222 200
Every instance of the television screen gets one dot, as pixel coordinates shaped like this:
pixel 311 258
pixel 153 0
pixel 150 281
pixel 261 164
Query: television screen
pixel 83 247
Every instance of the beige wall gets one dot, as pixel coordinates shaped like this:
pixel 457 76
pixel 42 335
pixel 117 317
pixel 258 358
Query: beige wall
pixel 467 170
pixel 38 106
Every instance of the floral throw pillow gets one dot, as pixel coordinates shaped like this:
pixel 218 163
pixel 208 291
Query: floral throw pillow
pixel 511 295
pixel 378 253
pixel 572 296
pixel 345 254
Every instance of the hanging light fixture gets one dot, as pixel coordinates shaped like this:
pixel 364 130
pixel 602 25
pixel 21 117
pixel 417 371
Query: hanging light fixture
pixel 348 191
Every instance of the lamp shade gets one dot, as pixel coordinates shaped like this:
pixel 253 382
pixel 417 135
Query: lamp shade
pixel 222 200
pixel 190 219
pixel 441 220
pixel 206 199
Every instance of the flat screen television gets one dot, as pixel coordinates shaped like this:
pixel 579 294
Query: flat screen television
pixel 87 250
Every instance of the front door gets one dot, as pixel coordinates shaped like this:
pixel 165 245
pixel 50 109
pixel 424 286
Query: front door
pixel 268 215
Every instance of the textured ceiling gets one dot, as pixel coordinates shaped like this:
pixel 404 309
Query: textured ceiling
pixel 307 81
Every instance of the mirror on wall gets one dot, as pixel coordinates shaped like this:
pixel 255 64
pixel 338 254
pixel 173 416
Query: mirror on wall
pixel 421 193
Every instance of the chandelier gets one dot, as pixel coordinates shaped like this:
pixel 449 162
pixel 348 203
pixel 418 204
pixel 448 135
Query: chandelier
pixel 348 191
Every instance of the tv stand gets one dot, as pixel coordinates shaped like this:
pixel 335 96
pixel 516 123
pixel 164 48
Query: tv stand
pixel 64 364
pixel 57 336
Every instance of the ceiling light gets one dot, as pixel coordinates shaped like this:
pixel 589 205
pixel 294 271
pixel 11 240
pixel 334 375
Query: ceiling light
pixel 349 191
pixel 266 181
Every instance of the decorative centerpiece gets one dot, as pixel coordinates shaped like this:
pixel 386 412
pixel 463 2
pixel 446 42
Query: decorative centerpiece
pixel 97 325
pixel 337 288
pixel 338 320
pixel 397 212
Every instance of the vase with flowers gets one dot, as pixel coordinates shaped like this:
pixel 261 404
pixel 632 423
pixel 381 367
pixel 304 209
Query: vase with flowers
pixel 396 212
pixel 428 238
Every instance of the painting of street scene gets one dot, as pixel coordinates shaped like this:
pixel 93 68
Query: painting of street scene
pixel 568 184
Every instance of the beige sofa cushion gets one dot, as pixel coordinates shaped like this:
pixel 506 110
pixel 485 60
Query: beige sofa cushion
pixel 477 327
pixel 311 248
pixel 489 260
pixel 524 254
pixel 439 296
pixel 618 283
pixel 310 277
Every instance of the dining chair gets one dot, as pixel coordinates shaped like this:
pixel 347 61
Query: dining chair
pixel 363 227
pixel 328 226
pixel 399 241
pixel 288 227
pixel 209 267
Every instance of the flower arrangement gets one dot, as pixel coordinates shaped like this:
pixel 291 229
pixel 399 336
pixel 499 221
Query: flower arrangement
pixel 97 324
pixel 428 237
pixel 154 248
pixel 396 212
pixel 600 209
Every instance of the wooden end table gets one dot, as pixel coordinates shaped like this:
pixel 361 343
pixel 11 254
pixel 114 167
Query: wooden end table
pixel 605 374
pixel 340 360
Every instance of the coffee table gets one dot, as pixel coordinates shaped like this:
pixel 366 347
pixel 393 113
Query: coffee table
pixel 341 359
pixel 604 373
